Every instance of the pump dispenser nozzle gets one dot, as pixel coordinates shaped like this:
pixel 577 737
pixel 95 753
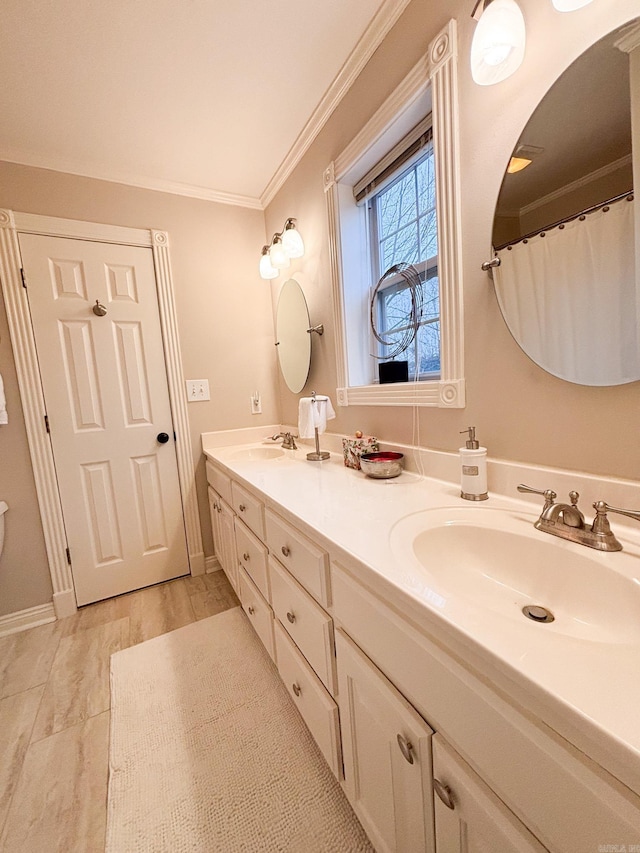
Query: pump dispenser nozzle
pixel 472 443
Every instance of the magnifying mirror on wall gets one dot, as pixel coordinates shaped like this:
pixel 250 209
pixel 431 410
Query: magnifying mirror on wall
pixel 565 230
pixel 293 337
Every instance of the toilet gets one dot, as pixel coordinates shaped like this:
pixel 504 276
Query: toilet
pixel 3 509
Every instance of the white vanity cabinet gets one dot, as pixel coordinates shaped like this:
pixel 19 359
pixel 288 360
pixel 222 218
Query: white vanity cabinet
pixel 565 801
pixel 436 756
pixel 387 756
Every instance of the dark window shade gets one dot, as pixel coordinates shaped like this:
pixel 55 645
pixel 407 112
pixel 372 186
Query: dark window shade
pixel 413 142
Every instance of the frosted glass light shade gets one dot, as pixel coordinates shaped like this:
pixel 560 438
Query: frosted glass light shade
pixel 266 270
pixel 569 5
pixel 292 242
pixel 278 255
pixel 498 43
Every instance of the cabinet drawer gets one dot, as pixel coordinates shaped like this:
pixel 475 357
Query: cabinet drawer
pixel 562 796
pixel 248 508
pixel 258 611
pixel 252 556
pixel 306 562
pixel 220 482
pixel 318 709
pixel 305 621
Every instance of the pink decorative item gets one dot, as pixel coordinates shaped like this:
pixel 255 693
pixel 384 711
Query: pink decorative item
pixel 352 448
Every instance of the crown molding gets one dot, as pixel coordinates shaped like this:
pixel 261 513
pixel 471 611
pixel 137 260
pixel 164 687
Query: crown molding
pixel 383 21
pixel 142 182
pixel 584 181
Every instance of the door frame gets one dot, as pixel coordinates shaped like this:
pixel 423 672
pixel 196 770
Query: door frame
pixel 23 344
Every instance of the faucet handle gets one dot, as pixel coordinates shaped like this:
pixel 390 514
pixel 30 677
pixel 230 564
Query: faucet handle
pixel 548 494
pixel 601 522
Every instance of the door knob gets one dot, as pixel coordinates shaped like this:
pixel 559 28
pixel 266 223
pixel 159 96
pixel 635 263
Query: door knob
pixel 163 437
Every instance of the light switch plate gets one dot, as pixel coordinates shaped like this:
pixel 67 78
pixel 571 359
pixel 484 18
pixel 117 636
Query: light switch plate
pixel 197 390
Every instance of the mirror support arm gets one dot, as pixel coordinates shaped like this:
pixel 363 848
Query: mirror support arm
pixel 488 265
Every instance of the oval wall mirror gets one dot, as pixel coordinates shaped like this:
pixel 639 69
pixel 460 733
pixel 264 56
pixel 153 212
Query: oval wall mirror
pixel 293 339
pixel 564 227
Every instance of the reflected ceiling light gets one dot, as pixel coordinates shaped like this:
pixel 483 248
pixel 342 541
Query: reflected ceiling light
pixel 498 43
pixel 285 244
pixel 569 5
pixel 517 164
pixel 522 157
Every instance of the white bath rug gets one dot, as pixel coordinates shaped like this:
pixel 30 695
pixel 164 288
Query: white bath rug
pixel 208 752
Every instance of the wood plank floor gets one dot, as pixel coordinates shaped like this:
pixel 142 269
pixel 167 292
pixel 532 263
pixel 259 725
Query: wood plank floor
pixel 54 711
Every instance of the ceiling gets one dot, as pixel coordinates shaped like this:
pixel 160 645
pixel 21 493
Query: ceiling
pixel 200 97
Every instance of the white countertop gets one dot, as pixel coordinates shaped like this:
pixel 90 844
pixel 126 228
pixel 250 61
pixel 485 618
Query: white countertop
pixel 588 690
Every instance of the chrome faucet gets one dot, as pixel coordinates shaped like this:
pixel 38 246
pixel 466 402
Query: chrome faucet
pixel 288 440
pixel 568 522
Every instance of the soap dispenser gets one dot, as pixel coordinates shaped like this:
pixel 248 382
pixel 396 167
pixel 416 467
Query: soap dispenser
pixel 473 468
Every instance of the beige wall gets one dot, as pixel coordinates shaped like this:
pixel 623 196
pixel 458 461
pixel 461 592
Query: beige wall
pixel 225 312
pixel 225 324
pixel 521 412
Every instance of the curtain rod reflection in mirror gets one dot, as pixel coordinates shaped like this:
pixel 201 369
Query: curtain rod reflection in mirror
pixel 560 223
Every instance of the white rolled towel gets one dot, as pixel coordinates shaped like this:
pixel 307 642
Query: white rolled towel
pixel 314 412
pixel 4 417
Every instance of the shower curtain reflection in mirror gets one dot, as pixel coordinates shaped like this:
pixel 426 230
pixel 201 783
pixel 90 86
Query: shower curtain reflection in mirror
pixel 571 299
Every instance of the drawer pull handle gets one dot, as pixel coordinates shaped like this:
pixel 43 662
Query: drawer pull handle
pixel 246 556
pixel 251 610
pixel 286 550
pixel 444 792
pixel 219 508
pixel 291 616
pixel 406 748
pixel 242 507
pixel 296 688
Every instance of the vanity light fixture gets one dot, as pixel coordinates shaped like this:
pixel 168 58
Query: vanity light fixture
pixel 266 270
pixel 497 49
pixel 569 5
pixel 285 245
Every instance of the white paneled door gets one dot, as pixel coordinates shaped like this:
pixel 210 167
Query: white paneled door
pixel 97 329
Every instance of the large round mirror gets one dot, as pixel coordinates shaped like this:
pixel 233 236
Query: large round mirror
pixel 564 228
pixel 293 338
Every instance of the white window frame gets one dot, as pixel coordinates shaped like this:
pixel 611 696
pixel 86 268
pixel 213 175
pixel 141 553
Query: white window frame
pixel 432 85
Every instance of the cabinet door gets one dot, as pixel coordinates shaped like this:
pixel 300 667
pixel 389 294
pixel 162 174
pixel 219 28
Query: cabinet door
pixel 469 816
pixel 214 512
pixel 228 544
pixel 387 756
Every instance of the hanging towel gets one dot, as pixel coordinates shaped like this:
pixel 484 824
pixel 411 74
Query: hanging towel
pixel 314 412
pixel 4 418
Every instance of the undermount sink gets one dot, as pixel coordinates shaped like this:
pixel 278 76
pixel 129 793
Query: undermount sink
pixel 493 562
pixel 256 453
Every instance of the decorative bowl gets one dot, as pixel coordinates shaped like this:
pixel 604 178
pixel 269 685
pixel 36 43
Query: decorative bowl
pixel 382 465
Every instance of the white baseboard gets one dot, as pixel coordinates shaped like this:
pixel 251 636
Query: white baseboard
pixel 211 564
pixel 22 620
pixel 64 603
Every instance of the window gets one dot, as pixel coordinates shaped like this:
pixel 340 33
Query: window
pixel 393 195
pixel 403 230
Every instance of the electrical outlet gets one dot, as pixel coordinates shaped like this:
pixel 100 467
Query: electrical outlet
pixel 256 403
pixel 197 390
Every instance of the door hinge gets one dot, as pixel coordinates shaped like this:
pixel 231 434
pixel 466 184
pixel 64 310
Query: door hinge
pixel 23 276
pixel 46 423
pixel 68 556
